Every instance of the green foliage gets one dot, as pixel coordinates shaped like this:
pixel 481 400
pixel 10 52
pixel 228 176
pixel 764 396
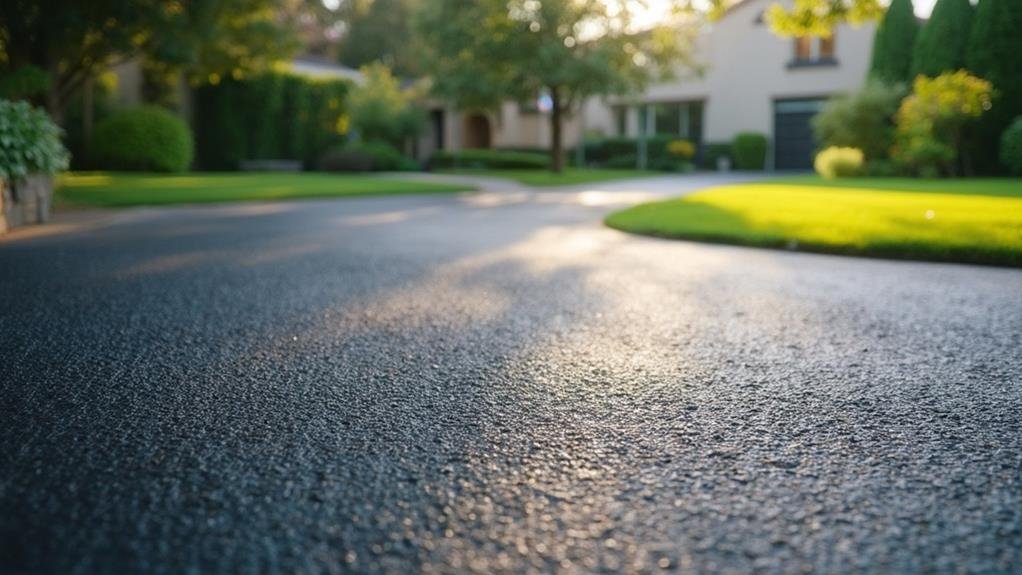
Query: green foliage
pixel 381 110
pixel 749 150
pixel 29 142
pixel 380 31
pixel 488 159
pixel 146 138
pixel 940 45
pixel 835 162
pixel 712 151
pixel 993 54
pixel 618 151
pixel 864 120
pixel 77 39
pixel 366 157
pixel 483 52
pixel 269 116
pixel 893 44
pixel 1011 147
pixel 23 83
pixel 931 121
pixel 817 17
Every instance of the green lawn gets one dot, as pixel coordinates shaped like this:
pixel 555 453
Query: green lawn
pixel 546 178
pixel 974 221
pixel 123 189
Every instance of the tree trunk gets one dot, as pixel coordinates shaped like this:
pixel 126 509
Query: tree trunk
pixel 556 136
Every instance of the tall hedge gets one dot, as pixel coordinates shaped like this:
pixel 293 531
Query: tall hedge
pixel 940 46
pixel 893 43
pixel 995 54
pixel 268 117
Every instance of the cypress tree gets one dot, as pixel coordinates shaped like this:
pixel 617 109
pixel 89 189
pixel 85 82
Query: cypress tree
pixel 995 54
pixel 940 46
pixel 893 43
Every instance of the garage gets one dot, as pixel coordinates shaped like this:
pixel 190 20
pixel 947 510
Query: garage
pixel 794 144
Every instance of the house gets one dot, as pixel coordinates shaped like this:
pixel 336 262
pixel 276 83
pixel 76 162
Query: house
pixel 753 81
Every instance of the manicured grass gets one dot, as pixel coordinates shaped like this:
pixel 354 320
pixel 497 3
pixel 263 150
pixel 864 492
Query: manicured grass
pixel 973 221
pixel 546 178
pixel 123 189
pixel 1011 187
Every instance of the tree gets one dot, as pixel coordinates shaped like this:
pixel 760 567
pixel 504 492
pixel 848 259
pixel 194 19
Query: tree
pixel 931 122
pixel 481 52
pixel 380 30
pixel 818 17
pixel 893 43
pixel 993 53
pixel 940 45
pixel 381 111
pixel 72 40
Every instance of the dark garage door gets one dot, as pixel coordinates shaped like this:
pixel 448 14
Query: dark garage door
pixel 793 137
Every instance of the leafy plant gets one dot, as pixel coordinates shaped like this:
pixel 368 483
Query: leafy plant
pixel 835 162
pixel 931 121
pixel 146 138
pixel 864 120
pixel 749 150
pixel 29 142
pixel 381 110
pixel 682 149
pixel 1011 146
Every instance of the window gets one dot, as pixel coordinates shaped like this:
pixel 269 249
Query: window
pixel 813 51
pixel 678 119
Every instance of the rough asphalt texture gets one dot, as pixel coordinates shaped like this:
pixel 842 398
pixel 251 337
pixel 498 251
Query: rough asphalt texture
pixel 496 383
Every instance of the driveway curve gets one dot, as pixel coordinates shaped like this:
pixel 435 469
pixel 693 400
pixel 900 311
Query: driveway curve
pixel 495 383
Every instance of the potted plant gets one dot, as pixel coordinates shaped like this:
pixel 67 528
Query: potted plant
pixel 30 154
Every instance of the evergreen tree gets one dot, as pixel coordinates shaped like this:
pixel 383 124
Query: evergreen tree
pixel 995 53
pixel 940 46
pixel 892 44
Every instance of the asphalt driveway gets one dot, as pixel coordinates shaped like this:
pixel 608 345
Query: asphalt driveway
pixel 496 383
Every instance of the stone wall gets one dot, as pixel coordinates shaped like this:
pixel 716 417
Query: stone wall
pixel 25 201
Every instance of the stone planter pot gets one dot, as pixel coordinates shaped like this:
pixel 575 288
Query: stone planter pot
pixel 25 201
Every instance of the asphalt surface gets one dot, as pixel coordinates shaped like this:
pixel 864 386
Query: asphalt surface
pixel 495 383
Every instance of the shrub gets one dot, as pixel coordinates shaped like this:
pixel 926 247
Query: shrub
pixel 883 169
pixel 622 162
pixel 488 159
pixel 864 120
pixel 835 162
pixel 364 157
pixel 682 149
pixel 1011 147
pixel 931 121
pixel 29 142
pixel 381 109
pixel 749 151
pixel 713 151
pixel 145 138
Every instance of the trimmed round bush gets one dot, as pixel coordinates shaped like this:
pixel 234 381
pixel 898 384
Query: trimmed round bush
pixel 749 151
pixel 29 142
pixel 836 162
pixel 146 138
pixel 1011 146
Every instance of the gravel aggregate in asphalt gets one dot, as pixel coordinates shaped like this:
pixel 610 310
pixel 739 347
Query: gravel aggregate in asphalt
pixel 496 383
